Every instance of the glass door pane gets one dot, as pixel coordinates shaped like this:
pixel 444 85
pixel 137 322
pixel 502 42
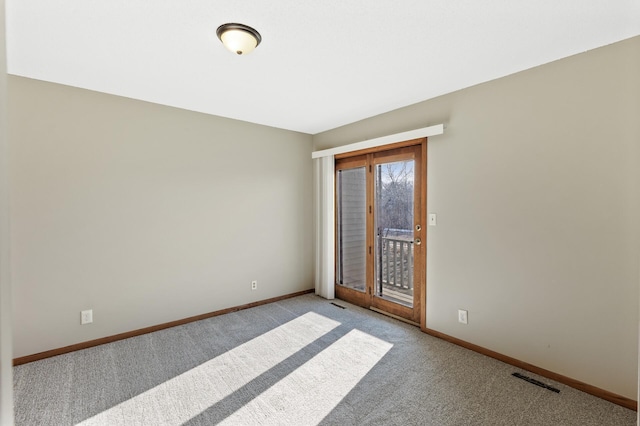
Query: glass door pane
pixel 351 185
pixel 394 219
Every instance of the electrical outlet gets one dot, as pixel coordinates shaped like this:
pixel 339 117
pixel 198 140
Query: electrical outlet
pixel 254 285
pixel 86 317
pixel 462 316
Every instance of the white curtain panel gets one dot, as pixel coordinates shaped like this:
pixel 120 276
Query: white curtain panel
pixel 324 221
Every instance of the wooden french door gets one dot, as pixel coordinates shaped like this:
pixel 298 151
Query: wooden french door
pixel 380 236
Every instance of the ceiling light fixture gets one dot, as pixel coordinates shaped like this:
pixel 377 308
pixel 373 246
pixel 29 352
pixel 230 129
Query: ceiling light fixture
pixel 238 38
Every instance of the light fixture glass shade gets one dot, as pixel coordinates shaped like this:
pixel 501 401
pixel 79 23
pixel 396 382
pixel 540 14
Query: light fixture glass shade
pixel 238 38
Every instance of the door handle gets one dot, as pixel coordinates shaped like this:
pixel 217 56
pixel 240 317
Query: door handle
pixel 418 241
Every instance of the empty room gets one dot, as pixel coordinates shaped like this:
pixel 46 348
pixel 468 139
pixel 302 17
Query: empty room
pixel 335 213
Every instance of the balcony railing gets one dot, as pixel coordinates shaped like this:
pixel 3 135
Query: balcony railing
pixel 395 260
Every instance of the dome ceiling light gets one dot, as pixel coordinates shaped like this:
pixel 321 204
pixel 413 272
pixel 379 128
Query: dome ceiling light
pixel 238 38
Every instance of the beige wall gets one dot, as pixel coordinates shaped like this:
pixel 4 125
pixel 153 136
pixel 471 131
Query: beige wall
pixel 535 183
pixel 146 214
pixel 6 382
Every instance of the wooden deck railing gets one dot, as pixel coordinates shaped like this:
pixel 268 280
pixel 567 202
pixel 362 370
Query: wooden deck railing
pixel 395 257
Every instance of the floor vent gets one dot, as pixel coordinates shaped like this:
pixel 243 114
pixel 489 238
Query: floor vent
pixel 535 382
pixel 341 307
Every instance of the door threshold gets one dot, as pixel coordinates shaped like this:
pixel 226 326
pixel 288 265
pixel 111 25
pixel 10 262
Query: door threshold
pixel 380 311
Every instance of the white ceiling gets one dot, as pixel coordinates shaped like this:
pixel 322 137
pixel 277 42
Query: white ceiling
pixel 321 64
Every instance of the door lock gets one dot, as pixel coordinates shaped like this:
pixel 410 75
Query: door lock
pixel 418 228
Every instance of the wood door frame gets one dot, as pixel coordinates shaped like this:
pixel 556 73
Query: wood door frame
pixel 367 157
pixel 412 152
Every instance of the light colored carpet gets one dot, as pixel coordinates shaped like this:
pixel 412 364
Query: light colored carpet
pixel 301 361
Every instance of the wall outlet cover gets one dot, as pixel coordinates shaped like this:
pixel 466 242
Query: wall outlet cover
pixel 462 316
pixel 86 317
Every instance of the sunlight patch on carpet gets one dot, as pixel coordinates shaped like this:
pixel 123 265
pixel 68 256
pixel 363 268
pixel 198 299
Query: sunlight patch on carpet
pixel 189 394
pixel 309 393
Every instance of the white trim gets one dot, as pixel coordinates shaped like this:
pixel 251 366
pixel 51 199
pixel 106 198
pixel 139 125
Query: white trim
pixel 425 132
